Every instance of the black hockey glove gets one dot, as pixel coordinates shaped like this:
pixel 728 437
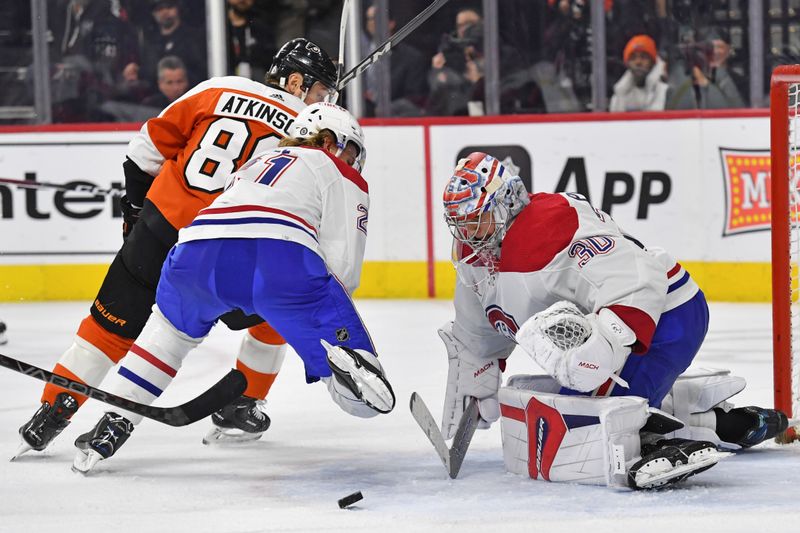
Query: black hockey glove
pixel 130 215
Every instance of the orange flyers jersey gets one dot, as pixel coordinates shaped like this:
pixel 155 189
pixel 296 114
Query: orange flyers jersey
pixel 197 142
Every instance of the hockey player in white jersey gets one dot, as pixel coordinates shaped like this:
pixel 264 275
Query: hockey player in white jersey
pixel 284 241
pixel 604 316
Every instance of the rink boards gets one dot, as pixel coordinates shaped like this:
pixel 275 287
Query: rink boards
pixel 695 184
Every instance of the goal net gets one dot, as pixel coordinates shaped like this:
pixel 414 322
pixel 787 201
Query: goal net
pixel 785 171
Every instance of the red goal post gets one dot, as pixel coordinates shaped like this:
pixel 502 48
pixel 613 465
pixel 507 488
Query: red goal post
pixel 785 171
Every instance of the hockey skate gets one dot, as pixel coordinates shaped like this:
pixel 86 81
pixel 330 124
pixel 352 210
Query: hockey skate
pixel 669 461
pixel 3 338
pixel 243 420
pixel 46 424
pixel 767 424
pixel 111 432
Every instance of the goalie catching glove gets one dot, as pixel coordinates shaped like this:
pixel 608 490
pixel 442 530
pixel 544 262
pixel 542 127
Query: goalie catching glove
pixel 580 351
pixel 468 375
pixel 358 384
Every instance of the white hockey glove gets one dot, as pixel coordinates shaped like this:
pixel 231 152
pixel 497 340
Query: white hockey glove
pixel 358 384
pixel 468 376
pixel 580 352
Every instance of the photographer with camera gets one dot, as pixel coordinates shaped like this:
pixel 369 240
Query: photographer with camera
pixel 457 67
pixel 706 80
pixel 641 87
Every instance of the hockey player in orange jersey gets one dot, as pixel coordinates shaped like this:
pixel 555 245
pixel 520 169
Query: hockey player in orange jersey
pixel 176 165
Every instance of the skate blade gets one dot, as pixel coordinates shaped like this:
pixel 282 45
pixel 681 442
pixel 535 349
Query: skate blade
pixel 85 461
pixel 24 447
pixel 661 476
pixel 372 387
pixel 221 436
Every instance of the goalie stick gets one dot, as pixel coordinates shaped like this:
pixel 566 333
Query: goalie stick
pixel 453 457
pixel 230 387
pixel 79 187
pixel 387 45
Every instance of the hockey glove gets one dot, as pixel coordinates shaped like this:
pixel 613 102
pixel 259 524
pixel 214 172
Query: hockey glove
pixel 130 215
pixel 468 375
pixel 358 385
pixel 580 352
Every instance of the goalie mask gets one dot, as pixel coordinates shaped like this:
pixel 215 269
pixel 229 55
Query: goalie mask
pixel 337 120
pixel 480 201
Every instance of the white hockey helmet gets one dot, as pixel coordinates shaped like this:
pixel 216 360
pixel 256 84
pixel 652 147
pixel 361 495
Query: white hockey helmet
pixel 339 121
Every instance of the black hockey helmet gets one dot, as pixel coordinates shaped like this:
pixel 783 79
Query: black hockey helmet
pixel 303 56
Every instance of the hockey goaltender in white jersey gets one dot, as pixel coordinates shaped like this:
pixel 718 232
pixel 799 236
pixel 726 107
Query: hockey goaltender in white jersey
pixel 613 323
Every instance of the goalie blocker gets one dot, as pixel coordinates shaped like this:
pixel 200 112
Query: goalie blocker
pixel 589 440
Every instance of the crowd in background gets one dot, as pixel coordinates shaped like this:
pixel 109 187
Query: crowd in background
pixel 125 60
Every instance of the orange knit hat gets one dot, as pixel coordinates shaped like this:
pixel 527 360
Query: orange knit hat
pixel 640 43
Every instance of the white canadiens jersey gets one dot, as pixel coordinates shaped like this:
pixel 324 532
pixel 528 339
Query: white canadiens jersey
pixel 304 195
pixel 561 248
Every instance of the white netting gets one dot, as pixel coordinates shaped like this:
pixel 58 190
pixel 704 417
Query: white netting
pixel 794 236
pixel 564 325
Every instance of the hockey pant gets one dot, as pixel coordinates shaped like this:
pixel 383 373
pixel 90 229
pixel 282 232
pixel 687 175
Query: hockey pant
pixel 282 281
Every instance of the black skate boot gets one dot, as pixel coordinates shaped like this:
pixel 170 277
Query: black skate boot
pixel 3 338
pixel 241 420
pixel 669 461
pixel 110 433
pixel 47 423
pixel 748 426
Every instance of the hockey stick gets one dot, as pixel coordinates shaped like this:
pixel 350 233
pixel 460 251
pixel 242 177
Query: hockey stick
pixel 387 45
pixel 453 457
pixel 230 387
pixel 342 30
pixel 80 187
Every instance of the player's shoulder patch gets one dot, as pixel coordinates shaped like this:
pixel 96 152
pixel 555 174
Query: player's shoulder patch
pixel 542 230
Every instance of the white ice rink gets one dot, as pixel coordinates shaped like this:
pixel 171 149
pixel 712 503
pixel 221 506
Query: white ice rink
pixel 164 479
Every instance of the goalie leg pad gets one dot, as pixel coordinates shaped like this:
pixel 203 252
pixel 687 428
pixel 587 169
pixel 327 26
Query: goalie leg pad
pixel 570 438
pixel 693 397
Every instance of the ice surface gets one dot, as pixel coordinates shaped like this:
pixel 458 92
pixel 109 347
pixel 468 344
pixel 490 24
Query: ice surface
pixel 164 479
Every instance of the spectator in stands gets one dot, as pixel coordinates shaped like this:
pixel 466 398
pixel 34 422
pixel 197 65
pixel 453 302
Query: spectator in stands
pixel 251 40
pixel 703 78
pixel 641 87
pixel 567 46
pixel 173 82
pixel 322 19
pixel 457 66
pixel 90 46
pixel 407 64
pixel 172 38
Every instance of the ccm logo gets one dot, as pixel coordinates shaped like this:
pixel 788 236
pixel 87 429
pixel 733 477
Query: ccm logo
pixel 590 366
pixel 486 367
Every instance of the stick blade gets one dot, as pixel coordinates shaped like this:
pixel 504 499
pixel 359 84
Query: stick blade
pixel 464 432
pixel 223 392
pixel 430 427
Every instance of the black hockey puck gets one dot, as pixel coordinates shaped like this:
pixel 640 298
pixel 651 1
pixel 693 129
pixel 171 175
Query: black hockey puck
pixel 350 499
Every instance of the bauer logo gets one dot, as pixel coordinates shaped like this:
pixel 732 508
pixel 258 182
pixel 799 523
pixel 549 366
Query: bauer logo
pixel 546 430
pixel 747 190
